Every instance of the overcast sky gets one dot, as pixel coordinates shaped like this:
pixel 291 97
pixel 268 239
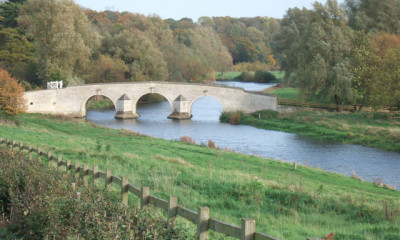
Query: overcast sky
pixel 194 9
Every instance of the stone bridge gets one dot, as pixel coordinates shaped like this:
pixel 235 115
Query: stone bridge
pixel 181 96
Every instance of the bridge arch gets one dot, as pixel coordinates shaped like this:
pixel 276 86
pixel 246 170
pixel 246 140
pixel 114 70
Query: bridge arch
pixel 158 103
pixel 211 110
pixel 138 96
pixel 87 99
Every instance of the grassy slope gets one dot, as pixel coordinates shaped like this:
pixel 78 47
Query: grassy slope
pixel 286 203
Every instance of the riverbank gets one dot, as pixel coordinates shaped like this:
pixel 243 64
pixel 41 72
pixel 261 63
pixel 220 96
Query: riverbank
pixel 286 203
pixel 366 129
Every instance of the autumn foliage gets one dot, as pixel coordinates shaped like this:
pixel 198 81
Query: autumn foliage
pixel 11 94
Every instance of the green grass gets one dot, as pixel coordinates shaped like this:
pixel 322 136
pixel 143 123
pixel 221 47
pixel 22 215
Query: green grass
pixel 289 93
pixel 294 94
pixel 286 203
pixel 367 129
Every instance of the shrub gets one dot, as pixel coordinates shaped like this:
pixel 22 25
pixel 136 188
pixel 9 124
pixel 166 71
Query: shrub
pixel 246 77
pixel 262 76
pixel 187 139
pixel 234 118
pixel 39 203
pixel 211 144
pixel 265 114
pixel 11 94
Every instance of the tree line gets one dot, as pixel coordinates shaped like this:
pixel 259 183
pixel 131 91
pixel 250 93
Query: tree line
pixel 350 53
pixel 44 40
pixel 347 52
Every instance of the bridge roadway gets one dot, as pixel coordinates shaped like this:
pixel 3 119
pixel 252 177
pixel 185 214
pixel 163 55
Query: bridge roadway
pixel 181 96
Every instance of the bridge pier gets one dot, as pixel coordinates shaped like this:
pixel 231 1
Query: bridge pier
pixel 181 109
pixel 124 108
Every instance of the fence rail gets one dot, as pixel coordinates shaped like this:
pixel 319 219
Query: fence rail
pixel 201 218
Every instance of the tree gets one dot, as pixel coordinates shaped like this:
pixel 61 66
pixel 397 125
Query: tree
pixel 245 50
pixel 107 69
pixel 374 15
pixel 64 38
pixel 11 94
pixel 364 63
pixel 386 84
pixel 145 60
pixel 9 13
pixel 14 48
pixel 313 47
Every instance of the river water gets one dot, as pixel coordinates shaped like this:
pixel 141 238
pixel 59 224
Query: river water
pixel 368 163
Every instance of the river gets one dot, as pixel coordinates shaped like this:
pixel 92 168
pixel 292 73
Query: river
pixel 370 164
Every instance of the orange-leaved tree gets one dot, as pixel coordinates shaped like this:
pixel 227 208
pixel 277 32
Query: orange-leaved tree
pixel 11 94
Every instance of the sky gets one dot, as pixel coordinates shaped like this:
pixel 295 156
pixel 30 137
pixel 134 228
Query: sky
pixel 177 9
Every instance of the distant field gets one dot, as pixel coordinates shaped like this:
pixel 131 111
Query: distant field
pixel 289 93
pixel 294 94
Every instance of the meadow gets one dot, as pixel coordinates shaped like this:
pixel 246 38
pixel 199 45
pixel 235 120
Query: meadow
pixel 285 202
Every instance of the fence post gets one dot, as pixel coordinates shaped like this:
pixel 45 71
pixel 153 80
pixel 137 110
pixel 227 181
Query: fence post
pixel 124 191
pixel 59 163
pixel 49 157
pixel 108 179
pixel 145 199
pixel 68 167
pixel 76 171
pixel 30 149
pixel 96 175
pixel 248 231
pixel 85 171
pixel 203 223
pixel 39 154
pixel 172 207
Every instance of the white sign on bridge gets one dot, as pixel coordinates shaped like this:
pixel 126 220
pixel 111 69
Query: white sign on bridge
pixel 54 84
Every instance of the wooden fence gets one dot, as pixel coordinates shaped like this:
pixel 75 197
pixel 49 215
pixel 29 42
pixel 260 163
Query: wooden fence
pixel 201 218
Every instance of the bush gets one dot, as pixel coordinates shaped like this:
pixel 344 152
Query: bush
pixel 187 139
pixel 246 77
pixel 39 203
pixel 211 144
pixel 262 76
pixel 11 94
pixel 265 114
pixel 234 118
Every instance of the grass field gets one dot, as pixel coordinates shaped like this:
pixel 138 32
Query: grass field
pixel 286 203
pixel 293 94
